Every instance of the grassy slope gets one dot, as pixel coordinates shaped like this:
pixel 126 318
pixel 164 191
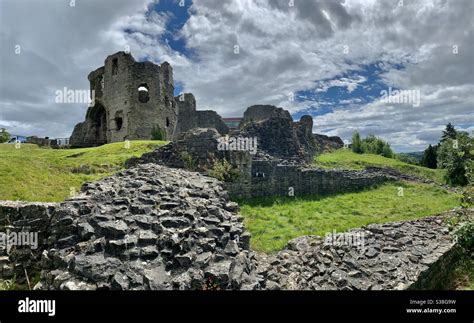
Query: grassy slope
pixel 39 174
pixel 345 158
pixel 274 221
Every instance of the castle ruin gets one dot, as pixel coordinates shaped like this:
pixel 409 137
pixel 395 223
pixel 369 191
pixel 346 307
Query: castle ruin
pixel 135 100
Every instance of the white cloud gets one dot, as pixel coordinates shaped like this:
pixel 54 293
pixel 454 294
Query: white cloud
pixel 350 83
pixel 60 45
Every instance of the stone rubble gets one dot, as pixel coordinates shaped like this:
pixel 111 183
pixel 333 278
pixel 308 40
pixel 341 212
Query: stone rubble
pixel 23 217
pixel 395 255
pixel 149 227
pixel 154 227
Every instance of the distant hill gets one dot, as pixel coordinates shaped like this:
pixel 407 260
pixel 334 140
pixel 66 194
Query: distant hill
pixel 418 155
pixel 413 158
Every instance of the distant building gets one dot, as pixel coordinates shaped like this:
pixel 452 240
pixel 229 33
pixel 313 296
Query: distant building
pixel 232 123
pixel 15 138
pixel 47 142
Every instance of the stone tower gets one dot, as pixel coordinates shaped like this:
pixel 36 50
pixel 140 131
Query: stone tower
pixel 132 100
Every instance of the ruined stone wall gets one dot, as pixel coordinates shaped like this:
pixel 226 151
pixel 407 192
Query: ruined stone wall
pixel 260 174
pixel 121 111
pixel 140 112
pixel 26 217
pixel 276 135
pixel 149 227
pixel 389 256
pixel 258 112
pixel 154 227
pixel 280 136
pixel 195 150
pixel 270 178
pixel 326 143
pixel 190 118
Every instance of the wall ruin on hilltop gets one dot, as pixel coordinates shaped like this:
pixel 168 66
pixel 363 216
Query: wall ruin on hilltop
pixel 135 100
pixel 281 165
pixel 190 118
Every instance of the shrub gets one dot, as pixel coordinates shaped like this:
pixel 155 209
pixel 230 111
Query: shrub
pixel 223 170
pixel 465 236
pixel 4 136
pixel 371 145
pixel 470 169
pixel 7 284
pixel 158 134
pixel 468 197
pixel 455 156
pixel 188 161
pixel 387 151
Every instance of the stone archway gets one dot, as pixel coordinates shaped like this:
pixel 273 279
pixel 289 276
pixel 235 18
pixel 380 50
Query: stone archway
pixel 98 122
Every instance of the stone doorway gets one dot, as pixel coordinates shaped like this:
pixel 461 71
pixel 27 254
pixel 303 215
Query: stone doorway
pixel 98 117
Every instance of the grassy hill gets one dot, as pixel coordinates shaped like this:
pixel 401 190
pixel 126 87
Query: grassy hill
pixel 42 174
pixel 346 159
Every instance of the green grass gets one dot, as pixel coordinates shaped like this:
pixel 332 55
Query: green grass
pixel 42 174
pixel 7 285
pixel 346 159
pixel 274 221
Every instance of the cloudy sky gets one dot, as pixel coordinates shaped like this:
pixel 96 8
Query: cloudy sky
pixel 331 59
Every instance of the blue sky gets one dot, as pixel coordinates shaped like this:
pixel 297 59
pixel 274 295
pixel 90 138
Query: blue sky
pixel 178 15
pixel 340 96
pixel 334 56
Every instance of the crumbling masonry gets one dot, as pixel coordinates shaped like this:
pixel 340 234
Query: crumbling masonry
pixel 135 100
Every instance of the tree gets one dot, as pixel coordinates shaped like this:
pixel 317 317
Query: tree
pixel 356 143
pixel 4 136
pixel 371 145
pixel 380 147
pixel 455 156
pixel 430 156
pixel 387 151
pixel 449 133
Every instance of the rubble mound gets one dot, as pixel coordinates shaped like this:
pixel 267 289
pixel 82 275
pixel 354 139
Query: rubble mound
pixel 194 150
pixel 395 255
pixel 149 227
